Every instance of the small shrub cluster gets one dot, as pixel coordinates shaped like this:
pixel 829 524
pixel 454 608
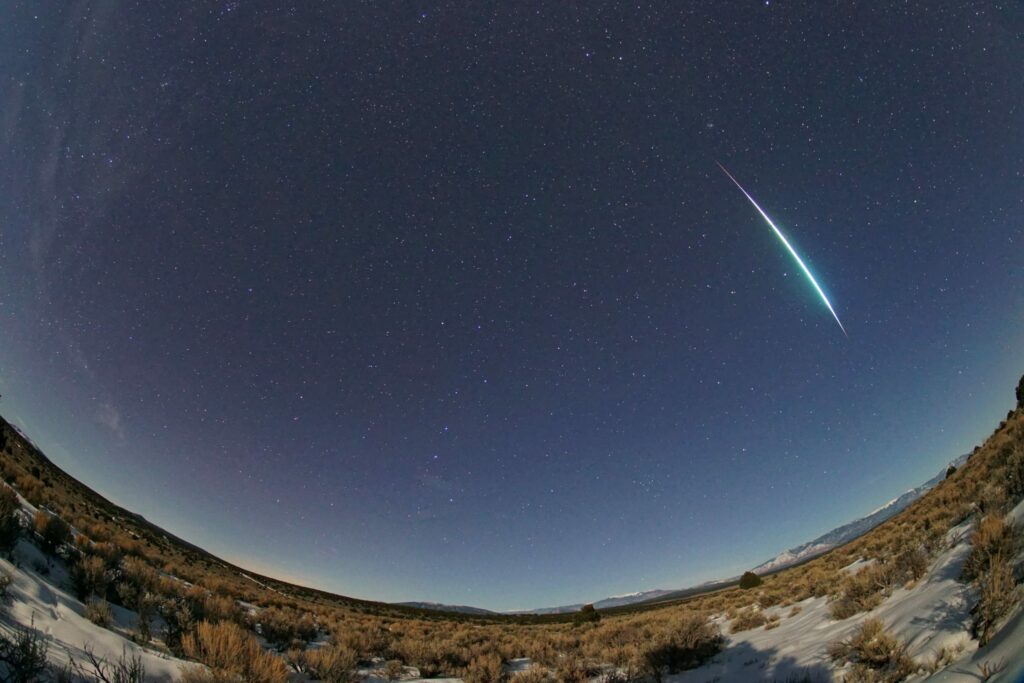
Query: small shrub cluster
pixel 993 538
pixel 746 619
pixel 693 641
pixel 331 664
pixel 53 532
pixel 286 627
pixel 231 653
pixel 876 655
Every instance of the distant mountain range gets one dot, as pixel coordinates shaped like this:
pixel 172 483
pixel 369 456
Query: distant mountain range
pixel 462 609
pixel 857 527
pixel 800 553
pixel 614 601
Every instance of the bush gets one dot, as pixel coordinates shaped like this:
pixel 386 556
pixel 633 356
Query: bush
pixel 284 627
pixel 999 594
pixel 179 617
pixel 126 669
pixel 749 580
pixel 331 664
pixel 992 538
pixel 393 670
pixel 875 654
pixel 5 584
pixel 485 669
pixel 53 531
pixel 570 670
pixel 232 653
pixel 746 619
pixel 10 523
pixel 98 612
pixel 23 653
pixel 586 615
pixel 1015 474
pixel 858 593
pixel 89 576
pixel 688 644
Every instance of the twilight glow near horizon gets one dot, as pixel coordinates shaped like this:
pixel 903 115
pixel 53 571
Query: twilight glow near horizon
pixel 449 301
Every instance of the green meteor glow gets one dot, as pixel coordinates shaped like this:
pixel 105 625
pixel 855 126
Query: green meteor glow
pixel 792 251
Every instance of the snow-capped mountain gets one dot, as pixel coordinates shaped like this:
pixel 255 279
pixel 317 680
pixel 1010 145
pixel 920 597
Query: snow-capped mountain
pixel 857 527
pixel 614 601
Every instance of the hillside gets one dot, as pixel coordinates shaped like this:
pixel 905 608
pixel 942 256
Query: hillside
pixel 856 528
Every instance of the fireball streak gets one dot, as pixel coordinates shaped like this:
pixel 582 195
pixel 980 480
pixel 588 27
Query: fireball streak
pixel 792 251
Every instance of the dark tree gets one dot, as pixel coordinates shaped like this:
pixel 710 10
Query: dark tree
pixel 950 470
pixel 1020 392
pixel 749 580
pixel 587 614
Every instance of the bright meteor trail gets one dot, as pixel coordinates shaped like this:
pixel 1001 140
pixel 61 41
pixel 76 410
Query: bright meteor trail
pixel 792 251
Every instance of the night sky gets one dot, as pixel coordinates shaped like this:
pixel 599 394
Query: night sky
pixel 451 302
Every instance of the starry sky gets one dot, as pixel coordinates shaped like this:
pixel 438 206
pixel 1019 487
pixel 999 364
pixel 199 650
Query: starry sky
pixel 450 301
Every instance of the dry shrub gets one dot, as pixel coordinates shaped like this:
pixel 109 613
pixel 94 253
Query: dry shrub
pixel 32 489
pixel 10 525
pixel 98 612
pixel 876 655
pixel 992 538
pixel 771 622
pixel 216 607
pixel 232 653
pixel 999 595
pixel 859 592
pixel 911 563
pixel 746 619
pixel 200 674
pixel 571 670
pixel 283 626
pixel 331 664
pixel 393 670
pixel 1015 474
pixel 52 530
pixel 693 641
pixel 943 657
pixel 795 610
pixel 485 669
pixel 89 576
pixel 370 641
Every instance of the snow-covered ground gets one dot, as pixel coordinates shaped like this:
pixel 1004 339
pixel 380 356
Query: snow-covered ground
pixel 932 614
pixel 42 602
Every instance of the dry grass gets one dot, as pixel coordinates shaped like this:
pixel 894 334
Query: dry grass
pixel 232 653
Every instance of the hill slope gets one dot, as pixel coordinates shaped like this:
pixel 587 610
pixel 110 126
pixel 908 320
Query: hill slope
pixel 858 527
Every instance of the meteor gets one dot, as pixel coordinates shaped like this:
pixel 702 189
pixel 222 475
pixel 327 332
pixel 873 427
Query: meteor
pixel 792 251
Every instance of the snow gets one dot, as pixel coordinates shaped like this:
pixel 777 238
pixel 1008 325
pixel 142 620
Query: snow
pixel 37 600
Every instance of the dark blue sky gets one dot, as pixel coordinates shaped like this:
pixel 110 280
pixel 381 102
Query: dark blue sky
pixel 450 301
